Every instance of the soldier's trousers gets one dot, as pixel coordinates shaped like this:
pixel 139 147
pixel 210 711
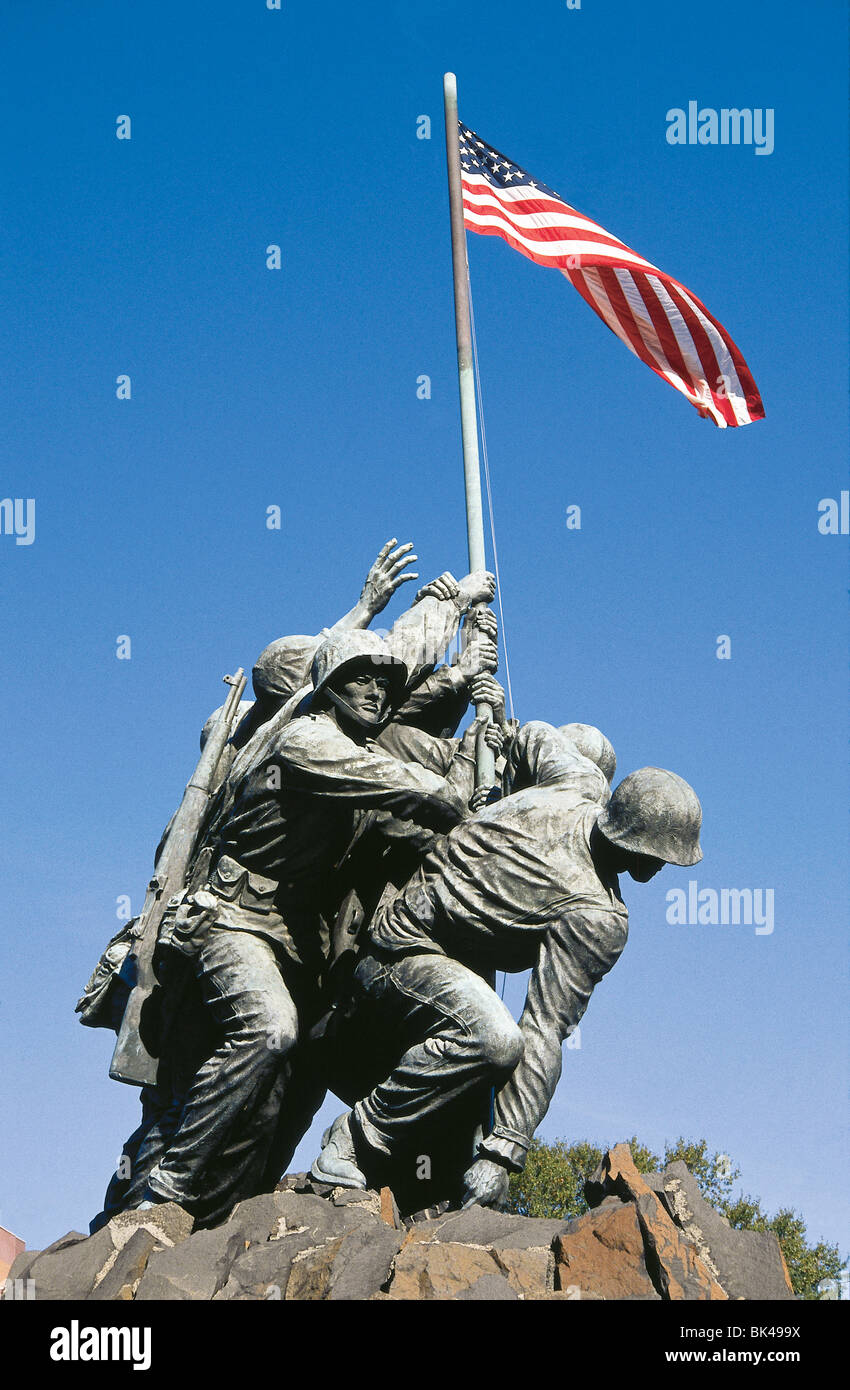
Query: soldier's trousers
pixel 240 1097
pixel 453 1033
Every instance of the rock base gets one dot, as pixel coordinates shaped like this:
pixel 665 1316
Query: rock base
pixel 652 1239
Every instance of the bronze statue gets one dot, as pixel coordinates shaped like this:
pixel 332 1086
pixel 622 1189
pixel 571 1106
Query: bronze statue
pixel 348 893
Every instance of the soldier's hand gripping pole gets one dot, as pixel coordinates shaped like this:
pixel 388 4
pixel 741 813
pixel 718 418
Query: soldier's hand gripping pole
pixel 485 758
pixel 131 1060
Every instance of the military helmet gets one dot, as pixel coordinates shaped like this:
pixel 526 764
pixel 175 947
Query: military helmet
pixel 356 647
pixel 654 812
pixel 592 744
pixel 284 666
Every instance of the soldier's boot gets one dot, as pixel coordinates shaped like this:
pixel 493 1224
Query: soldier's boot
pixel 151 1199
pixel 337 1162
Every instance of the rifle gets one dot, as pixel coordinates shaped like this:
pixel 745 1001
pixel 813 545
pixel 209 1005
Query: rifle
pixel 131 1060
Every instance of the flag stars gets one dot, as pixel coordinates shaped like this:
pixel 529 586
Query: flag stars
pixel 494 167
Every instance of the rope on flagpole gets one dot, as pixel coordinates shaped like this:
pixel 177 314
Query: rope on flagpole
pixel 486 463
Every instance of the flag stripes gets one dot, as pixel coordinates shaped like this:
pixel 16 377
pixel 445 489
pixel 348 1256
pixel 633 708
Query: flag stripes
pixel 657 318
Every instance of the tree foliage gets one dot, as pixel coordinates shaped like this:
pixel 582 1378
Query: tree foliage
pixel 552 1185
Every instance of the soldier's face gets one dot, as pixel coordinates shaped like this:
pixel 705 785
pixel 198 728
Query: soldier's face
pixel 367 694
pixel 643 867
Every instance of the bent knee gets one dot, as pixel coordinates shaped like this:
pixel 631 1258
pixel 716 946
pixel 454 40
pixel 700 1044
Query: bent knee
pixel 272 1028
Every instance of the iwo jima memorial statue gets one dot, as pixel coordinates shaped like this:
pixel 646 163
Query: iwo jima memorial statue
pixel 345 874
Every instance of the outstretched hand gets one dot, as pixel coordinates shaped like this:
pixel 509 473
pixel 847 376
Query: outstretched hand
pixel 486 1184
pixel 386 575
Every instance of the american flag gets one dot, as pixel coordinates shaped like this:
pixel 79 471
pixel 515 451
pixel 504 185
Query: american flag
pixel 660 321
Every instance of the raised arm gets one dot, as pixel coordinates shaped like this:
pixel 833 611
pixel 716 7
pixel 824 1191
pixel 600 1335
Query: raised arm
pixel 438 702
pixel 385 576
pixel 282 669
pixel 538 755
pixel 422 635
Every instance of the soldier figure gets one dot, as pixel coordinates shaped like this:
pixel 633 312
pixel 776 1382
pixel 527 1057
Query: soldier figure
pixel 254 932
pixel 191 1031
pixel 528 881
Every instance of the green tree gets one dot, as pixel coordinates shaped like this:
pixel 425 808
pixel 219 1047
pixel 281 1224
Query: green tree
pixel 713 1172
pixel 807 1264
pixel 552 1184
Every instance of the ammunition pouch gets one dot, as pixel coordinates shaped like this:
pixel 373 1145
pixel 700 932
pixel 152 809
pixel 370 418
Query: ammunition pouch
pixel 241 887
pixel 232 897
pixel 105 996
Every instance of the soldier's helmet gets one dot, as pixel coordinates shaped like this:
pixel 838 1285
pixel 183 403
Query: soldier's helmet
pixel 283 666
pixel 343 652
pixel 592 744
pixel 654 812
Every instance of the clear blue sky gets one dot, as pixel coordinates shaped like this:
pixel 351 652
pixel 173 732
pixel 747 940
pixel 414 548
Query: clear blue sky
pixel 297 387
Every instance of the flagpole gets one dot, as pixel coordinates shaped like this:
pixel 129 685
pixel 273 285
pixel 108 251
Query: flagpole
pixel 485 759
pixel 485 766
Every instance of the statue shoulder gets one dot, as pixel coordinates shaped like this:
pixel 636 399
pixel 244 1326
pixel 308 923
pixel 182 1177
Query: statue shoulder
pixel 307 731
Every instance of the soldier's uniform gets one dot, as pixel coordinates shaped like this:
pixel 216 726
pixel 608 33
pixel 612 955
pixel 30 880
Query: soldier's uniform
pixel 254 933
pixel 516 886
pixel 290 936
pixel 432 705
pixel 512 888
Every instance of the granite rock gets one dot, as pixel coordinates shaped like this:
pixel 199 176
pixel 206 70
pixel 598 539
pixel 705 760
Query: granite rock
pixel 647 1237
pixel 441 1270
pixel 673 1265
pixel 603 1254
pixel 748 1264
pixel 70 1272
pixel 122 1279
